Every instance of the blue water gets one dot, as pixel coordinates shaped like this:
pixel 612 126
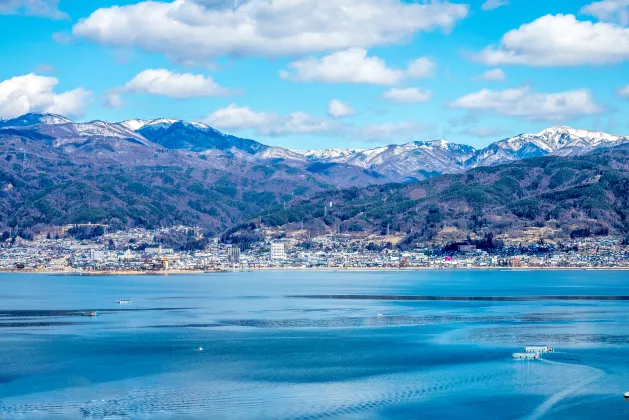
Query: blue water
pixel 308 345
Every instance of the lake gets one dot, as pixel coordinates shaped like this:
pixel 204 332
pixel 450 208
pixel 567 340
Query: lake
pixel 310 345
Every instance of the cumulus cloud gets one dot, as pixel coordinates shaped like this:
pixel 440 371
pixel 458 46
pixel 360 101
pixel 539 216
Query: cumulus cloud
pixel 235 117
pixel 41 8
pixel 523 102
pixel 560 40
pixel 411 95
pixel 175 85
pixel 354 66
pixel 193 30
pixel 338 109
pixel 495 75
pixel 33 93
pixel 609 11
pixel 493 4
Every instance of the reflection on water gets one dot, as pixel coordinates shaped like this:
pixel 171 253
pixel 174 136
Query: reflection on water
pixel 309 345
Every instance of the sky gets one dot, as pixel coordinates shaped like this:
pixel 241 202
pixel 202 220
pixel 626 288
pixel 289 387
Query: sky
pixel 314 74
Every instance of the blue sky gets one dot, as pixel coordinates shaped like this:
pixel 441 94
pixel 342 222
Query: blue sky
pixel 323 73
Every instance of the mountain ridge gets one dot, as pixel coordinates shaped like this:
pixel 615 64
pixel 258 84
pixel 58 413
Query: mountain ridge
pixel 54 171
pixel 557 197
pixel 393 163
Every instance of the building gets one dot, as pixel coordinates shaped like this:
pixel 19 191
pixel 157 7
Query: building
pixel 159 250
pixel 96 255
pixel 233 254
pixel 278 252
pixel 466 248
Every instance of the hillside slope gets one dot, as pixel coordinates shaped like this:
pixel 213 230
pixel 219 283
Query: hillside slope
pixel 573 196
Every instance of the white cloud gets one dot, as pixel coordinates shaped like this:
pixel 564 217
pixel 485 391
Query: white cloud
pixel 493 4
pixel 624 92
pixel 495 75
pixel 533 106
pixel 560 40
pixel 609 11
pixel 349 66
pixel 411 95
pixel 354 66
pixel 234 117
pixel 113 101
pixel 420 68
pixel 189 30
pixel 175 85
pixel 338 109
pixel 33 93
pixel 41 8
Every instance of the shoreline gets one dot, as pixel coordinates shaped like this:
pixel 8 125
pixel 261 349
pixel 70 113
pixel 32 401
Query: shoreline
pixel 301 269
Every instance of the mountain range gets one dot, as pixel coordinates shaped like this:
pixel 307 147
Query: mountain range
pixel 156 172
pixel 393 163
pixel 550 197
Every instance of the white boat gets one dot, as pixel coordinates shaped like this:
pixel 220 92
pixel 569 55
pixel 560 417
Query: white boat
pixel 525 355
pixel 538 349
pixel 124 302
pixel 379 314
pixel 627 396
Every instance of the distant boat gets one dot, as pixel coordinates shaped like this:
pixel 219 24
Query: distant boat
pixel 200 348
pixel 538 349
pixel 95 313
pixel 525 355
pixel 124 302
pixel 379 314
pixel 627 396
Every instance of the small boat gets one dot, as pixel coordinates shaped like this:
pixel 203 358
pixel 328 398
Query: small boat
pixel 200 348
pixel 525 355
pixel 627 396
pixel 538 349
pixel 124 302
pixel 379 314
pixel 95 313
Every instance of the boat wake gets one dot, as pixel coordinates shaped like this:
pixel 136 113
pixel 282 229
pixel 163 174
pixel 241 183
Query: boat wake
pixel 556 398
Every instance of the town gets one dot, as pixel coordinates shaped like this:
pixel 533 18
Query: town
pixel 90 249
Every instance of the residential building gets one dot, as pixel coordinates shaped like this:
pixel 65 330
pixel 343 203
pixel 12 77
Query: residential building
pixel 278 251
pixel 233 255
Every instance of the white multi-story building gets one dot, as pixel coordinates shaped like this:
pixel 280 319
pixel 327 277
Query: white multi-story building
pixel 278 251
pixel 96 255
pixel 233 255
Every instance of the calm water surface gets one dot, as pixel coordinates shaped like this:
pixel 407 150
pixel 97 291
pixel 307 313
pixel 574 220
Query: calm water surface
pixel 309 345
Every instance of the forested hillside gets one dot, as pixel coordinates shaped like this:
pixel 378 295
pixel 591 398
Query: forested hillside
pixel 577 196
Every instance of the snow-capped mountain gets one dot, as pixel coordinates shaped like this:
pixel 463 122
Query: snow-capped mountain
pixel 562 141
pixel 393 163
pixel 399 162
pixel 59 127
pixel 192 136
pixel 409 160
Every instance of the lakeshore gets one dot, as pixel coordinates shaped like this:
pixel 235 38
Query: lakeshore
pixel 302 269
pixel 136 252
